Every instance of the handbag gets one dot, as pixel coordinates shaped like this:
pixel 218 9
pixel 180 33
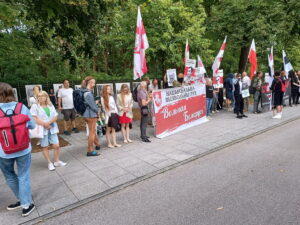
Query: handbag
pixel 145 111
pixel 38 131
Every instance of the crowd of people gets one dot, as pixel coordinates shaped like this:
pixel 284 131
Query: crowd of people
pixel 117 114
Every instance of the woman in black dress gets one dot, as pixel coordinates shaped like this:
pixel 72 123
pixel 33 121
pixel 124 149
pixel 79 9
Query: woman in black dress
pixel 278 92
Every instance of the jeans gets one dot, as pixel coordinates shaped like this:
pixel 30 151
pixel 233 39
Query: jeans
pixel 143 126
pixel 208 106
pixel 18 183
pixel 257 98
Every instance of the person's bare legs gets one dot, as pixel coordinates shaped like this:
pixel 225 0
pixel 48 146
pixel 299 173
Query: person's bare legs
pixel 73 123
pixel 108 130
pixel 123 129
pixel 46 154
pixel 56 152
pixel 113 134
pixel 127 133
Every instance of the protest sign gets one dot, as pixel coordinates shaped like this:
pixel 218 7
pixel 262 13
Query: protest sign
pixel 266 97
pixel 56 88
pixel 218 79
pixel 177 109
pixel 16 94
pixel 119 85
pixel 29 93
pixel 199 75
pixel 288 91
pixel 171 76
pixel 99 88
pixel 189 71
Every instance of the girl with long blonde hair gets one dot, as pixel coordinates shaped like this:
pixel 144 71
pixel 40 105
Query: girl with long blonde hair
pixel 125 103
pixel 45 115
pixel 111 116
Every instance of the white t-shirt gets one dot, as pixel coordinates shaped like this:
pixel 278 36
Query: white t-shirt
pixel 66 96
pixel 247 81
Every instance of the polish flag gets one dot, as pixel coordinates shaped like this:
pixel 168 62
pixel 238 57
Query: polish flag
pixel 187 51
pixel 218 59
pixel 252 59
pixel 141 44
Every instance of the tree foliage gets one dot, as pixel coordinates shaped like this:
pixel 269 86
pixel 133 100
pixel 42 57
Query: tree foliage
pixel 50 40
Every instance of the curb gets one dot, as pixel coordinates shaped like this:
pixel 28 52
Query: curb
pixel 152 174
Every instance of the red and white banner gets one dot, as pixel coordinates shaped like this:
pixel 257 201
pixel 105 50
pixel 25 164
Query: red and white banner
pixel 252 59
pixel 177 109
pixel 141 44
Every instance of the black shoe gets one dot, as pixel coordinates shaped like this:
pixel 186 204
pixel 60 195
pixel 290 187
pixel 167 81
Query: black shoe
pixel 258 111
pixel 93 153
pixel 26 212
pixel 17 205
pixel 244 116
pixel 75 130
pixel 67 132
pixel 145 140
pixel 239 117
pixel 97 148
pixel 145 137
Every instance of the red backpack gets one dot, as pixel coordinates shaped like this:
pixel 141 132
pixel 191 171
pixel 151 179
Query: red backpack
pixel 14 134
pixel 282 85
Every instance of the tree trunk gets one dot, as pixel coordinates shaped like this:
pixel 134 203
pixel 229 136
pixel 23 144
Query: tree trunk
pixel 94 64
pixel 243 59
pixel 105 59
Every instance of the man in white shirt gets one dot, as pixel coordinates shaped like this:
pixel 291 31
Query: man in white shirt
pixel 66 105
pixel 246 83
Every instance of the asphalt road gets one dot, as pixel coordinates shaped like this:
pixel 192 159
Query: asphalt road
pixel 255 182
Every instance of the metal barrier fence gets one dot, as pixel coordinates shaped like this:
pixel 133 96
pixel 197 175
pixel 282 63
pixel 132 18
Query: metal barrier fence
pixel 24 92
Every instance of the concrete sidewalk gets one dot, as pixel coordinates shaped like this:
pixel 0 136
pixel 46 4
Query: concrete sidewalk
pixel 85 177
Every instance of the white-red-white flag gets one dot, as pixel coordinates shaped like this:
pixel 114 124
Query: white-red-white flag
pixel 201 65
pixel 218 59
pixel 252 59
pixel 187 51
pixel 141 44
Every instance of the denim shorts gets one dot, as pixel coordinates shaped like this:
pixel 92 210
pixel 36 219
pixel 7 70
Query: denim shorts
pixel 49 139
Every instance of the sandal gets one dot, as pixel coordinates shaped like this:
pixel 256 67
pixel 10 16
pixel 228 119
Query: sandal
pixel 125 141
pixel 130 141
pixel 93 153
pixel 116 145
pixel 110 146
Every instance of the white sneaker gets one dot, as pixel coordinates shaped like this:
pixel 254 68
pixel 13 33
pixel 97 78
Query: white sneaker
pixel 60 164
pixel 51 167
pixel 277 116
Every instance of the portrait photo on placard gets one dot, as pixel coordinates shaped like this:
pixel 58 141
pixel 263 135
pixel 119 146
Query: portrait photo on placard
pixel 30 93
pixel 99 88
pixel 118 86
pixel 56 88
pixel 16 94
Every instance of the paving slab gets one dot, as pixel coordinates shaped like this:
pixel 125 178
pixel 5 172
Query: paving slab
pixel 85 177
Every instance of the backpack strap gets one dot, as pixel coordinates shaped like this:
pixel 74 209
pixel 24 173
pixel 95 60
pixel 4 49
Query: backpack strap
pixel 2 113
pixel 18 108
